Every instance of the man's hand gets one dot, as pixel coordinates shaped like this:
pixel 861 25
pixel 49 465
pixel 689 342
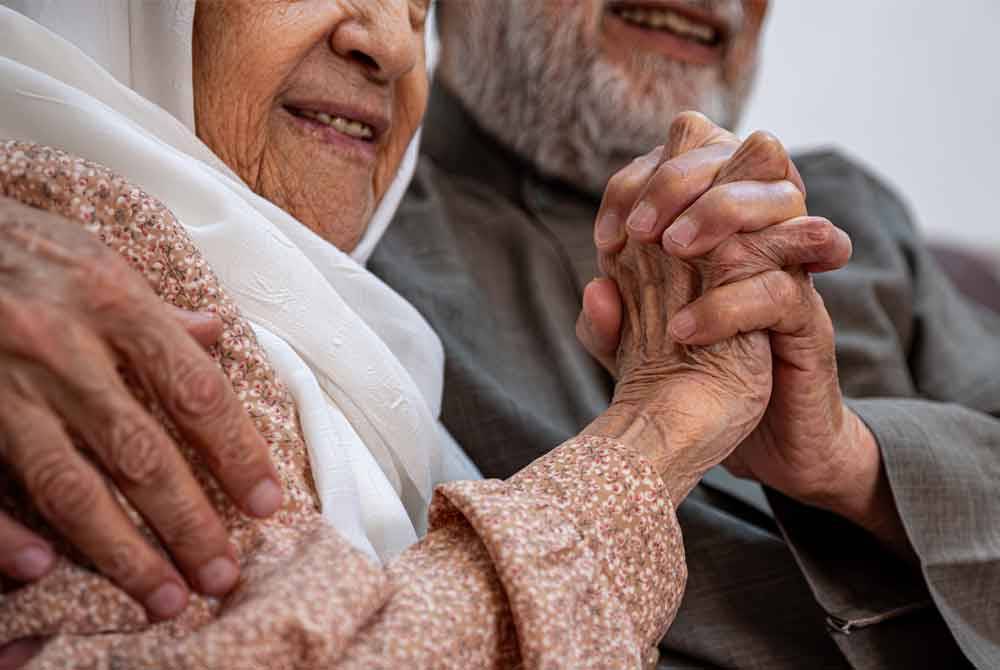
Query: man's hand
pixel 750 224
pixel 74 317
pixel 809 445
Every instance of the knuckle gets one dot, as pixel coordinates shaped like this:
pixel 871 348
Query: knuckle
pixel 728 262
pixel 617 179
pixel 767 142
pixel 780 288
pixel 63 491
pixel 731 256
pixel 143 342
pixel 773 252
pixel 201 392
pixel 788 191
pixel 29 327
pixel 728 210
pixel 671 179
pixel 672 187
pixel 683 123
pixel 107 286
pixel 189 526
pixel 683 119
pixel 234 451
pixel 626 183
pixel 136 454
pixel 120 561
pixel 820 234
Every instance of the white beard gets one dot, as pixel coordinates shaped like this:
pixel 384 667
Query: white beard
pixel 552 98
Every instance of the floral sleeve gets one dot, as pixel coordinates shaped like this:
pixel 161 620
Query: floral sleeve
pixel 575 562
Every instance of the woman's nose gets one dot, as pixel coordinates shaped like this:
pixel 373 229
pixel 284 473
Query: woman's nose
pixel 381 38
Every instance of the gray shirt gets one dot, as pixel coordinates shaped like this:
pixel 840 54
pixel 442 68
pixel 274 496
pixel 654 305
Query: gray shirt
pixel 496 256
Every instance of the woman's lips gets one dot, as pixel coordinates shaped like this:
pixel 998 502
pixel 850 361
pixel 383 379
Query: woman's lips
pixel 675 31
pixel 354 131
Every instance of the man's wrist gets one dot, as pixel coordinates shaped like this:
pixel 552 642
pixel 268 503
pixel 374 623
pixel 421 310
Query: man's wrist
pixel 852 487
pixel 861 492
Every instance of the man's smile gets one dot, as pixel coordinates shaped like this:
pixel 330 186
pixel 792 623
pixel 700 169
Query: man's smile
pixel 673 29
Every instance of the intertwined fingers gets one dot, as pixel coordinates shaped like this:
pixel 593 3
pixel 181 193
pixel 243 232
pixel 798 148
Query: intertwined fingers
pixel 734 210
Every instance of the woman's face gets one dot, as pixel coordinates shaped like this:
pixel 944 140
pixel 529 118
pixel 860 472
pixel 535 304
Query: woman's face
pixel 312 102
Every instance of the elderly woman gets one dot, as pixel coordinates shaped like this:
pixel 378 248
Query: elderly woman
pixel 305 115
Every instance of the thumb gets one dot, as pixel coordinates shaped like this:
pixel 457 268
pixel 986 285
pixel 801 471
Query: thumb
pixel 599 326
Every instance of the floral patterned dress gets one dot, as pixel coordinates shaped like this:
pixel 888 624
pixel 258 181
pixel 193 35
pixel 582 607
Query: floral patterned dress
pixel 575 562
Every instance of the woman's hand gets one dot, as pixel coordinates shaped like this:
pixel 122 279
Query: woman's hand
pixel 75 319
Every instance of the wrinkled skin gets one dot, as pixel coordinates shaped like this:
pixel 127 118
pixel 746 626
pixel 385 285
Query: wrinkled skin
pixel 740 365
pixel 719 391
pixel 76 318
pixel 365 56
pixel 809 444
pixel 73 312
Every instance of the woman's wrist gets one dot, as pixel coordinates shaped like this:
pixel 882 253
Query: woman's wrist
pixel 659 438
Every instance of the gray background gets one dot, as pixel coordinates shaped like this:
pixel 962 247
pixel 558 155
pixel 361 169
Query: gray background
pixel 909 86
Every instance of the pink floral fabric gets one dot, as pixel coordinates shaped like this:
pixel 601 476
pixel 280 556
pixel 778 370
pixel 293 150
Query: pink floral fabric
pixel 576 562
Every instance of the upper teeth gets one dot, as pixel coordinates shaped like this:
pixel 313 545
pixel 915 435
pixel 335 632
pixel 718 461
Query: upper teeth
pixel 352 128
pixel 660 18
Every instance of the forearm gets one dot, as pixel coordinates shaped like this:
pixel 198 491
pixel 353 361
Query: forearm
pixel 589 522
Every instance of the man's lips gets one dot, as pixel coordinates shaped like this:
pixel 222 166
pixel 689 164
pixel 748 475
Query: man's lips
pixel 674 29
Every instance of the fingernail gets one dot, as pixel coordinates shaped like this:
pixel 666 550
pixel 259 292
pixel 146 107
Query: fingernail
pixel 265 499
pixel 683 231
pixel 608 228
pixel 32 562
pixel 218 576
pixel 682 326
pixel 166 601
pixel 643 218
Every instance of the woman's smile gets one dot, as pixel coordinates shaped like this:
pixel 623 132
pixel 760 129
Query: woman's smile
pixel 351 131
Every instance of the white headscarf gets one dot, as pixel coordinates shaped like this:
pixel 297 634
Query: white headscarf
pixel 111 81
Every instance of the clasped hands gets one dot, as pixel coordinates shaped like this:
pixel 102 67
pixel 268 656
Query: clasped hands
pixel 722 349
pixel 709 239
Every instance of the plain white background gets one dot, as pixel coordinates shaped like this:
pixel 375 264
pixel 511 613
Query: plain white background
pixel 911 87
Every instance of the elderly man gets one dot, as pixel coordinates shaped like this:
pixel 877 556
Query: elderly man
pixel 880 545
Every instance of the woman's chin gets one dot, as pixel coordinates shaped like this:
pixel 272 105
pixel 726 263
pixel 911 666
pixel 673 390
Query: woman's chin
pixel 343 227
pixel 326 187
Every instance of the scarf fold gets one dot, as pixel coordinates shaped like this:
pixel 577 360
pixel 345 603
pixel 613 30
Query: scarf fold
pixel 110 81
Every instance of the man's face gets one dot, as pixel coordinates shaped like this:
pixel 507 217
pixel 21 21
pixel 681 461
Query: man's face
pixel 580 87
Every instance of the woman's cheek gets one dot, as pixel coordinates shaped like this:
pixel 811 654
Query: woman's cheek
pixel 411 96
